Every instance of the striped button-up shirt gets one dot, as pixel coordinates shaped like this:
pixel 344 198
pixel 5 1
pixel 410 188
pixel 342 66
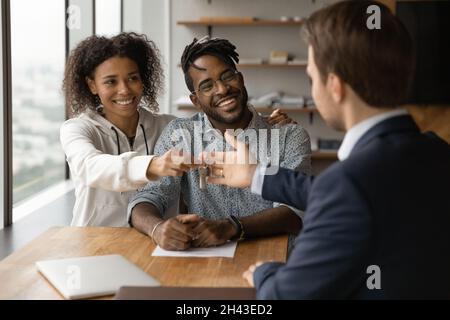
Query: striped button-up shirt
pixel 289 143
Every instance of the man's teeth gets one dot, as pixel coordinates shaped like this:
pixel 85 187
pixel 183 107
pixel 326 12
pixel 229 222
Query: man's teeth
pixel 226 102
pixel 124 102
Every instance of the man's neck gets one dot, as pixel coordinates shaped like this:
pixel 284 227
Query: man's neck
pixel 358 111
pixel 241 124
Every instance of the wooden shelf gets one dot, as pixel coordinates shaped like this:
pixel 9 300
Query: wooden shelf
pixel 316 155
pixel 262 110
pixel 324 155
pixel 186 107
pixel 271 65
pixel 287 110
pixel 241 23
pixel 268 65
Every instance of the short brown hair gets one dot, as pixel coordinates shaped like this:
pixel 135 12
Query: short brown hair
pixel 378 64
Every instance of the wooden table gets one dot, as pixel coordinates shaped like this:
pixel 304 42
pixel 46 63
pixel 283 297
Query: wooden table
pixel 19 278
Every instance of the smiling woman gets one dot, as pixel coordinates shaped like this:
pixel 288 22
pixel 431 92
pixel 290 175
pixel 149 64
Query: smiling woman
pixel 118 85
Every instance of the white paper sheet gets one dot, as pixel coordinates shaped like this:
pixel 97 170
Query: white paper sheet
pixel 227 250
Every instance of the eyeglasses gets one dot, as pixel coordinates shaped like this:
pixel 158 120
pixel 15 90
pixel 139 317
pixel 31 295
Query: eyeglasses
pixel 208 88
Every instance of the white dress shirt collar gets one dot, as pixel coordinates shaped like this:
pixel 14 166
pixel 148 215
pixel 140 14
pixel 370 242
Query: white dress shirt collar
pixel 357 131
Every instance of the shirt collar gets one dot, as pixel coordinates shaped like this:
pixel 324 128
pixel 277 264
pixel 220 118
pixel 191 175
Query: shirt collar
pixel 357 131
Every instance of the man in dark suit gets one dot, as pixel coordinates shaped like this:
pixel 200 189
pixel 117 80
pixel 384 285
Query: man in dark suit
pixel 376 222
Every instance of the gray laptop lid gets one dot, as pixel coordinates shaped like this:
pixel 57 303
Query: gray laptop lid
pixel 84 277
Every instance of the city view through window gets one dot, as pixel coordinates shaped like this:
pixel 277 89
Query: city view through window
pixel 38 57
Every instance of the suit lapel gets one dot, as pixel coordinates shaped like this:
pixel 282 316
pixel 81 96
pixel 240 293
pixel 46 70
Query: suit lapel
pixel 395 124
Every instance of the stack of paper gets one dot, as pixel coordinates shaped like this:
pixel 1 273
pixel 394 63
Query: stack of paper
pixel 226 250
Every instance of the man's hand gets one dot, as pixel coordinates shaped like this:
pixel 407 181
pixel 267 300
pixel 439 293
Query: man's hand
pixel 248 275
pixel 213 233
pixel 177 233
pixel 234 168
pixel 280 118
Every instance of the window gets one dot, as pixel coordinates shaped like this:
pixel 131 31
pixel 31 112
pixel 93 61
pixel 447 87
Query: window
pixel 108 17
pixel 38 37
pixel 3 216
pixel 37 66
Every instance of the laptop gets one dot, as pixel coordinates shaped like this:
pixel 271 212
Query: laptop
pixel 87 277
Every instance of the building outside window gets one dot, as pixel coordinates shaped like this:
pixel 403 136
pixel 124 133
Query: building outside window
pixel 37 66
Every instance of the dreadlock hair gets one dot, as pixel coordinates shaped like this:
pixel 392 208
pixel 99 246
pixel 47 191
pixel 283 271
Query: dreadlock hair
pixel 94 50
pixel 220 48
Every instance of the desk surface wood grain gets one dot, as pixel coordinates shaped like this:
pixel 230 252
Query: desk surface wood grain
pixel 19 278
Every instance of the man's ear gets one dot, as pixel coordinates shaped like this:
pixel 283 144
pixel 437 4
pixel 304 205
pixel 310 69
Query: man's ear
pixel 335 87
pixel 91 84
pixel 194 100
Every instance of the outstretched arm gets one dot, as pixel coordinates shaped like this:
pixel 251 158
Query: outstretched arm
pixel 125 172
pixel 286 186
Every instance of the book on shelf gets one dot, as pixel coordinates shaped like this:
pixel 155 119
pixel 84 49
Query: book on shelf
pixel 280 99
pixel 291 101
pixel 278 57
pixel 251 61
pixel 287 19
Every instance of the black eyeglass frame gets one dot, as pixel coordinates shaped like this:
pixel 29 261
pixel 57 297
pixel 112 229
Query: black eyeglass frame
pixel 236 74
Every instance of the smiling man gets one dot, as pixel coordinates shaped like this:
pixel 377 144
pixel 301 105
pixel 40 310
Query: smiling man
pixel 218 213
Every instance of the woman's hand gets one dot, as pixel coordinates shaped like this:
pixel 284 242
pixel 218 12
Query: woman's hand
pixel 173 163
pixel 280 118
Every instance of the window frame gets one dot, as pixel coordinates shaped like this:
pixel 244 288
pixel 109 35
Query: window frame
pixel 7 114
pixel 7 109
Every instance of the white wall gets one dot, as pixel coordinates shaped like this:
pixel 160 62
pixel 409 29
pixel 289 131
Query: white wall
pixel 86 27
pixel 132 15
pixel 152 18
pixel 107 17
pixel 156 24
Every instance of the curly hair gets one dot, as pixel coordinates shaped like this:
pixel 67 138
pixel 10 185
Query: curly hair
pixel 94 50
pixel 220 48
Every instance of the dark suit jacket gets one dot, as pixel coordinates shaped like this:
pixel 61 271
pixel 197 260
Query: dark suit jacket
pixel 387 204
